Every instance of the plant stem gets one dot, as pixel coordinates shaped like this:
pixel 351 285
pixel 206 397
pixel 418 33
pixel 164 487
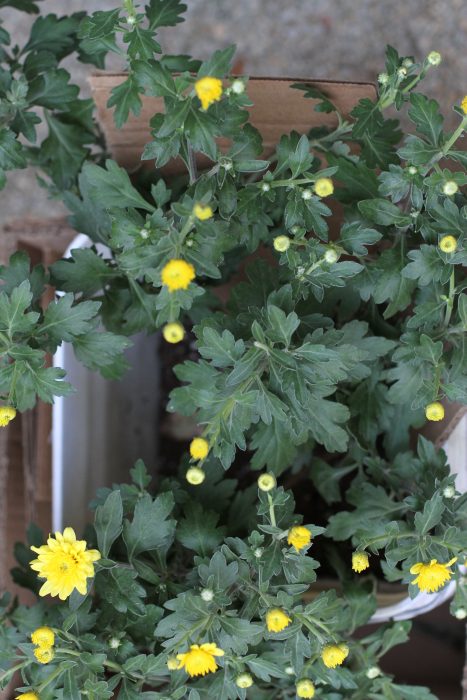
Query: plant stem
pixel 450 300
pixel 272 514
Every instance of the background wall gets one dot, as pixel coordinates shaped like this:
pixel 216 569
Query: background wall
pixel 299 38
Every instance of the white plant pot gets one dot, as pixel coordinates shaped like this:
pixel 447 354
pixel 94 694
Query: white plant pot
pixel 103 428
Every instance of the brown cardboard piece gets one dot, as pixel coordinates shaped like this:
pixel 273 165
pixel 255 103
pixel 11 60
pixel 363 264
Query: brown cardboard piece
pixel 277 110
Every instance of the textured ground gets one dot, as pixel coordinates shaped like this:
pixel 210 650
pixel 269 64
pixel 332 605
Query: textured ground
pixel 308 38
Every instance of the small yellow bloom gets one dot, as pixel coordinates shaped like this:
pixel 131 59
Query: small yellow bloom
pixel 173 332
pixel 209 90
pixel 7 413
pixel 324 187
pixel 177 274
pixel 334 654
pixel 450 187
pixel 360 562
pixel 195 476
pixel 266 482
pixel 172 663
pixel 65 564
pixel 432 576
pixel 277 620
pixel 202 211
pixel 43 637
pixel 199 448
pixel 299 537
pixel 244 680
pixel 434 58
pixel 448 244
pixel 434 411
pixel 305 688
pixel 27 696
pixel 200 660
pixel 44 655
pixel 281 243
pixel 464 105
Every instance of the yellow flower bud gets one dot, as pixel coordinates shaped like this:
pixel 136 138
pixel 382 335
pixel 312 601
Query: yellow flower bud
pixel 299 537
pixel 464 105
pixel 43 637
pixel 44 655
pixel 360 561
pixel 199 448
pixel 281 243
pixel 324 187
pixel 195 476
pixel 305 688
pixel 173 332
pixel 334 654
pixel 448 244
pixel 244 680
pixel 172 663
pixel 266 482
pixel 277 620
pixel 450 187
pixel 7 414
pixel 202 211
pixel 434 411
pixel 209 90
pixel 434 58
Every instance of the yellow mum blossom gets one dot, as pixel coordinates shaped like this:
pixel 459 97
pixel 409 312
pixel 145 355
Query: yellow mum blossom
pixel 277 620
pixel 7 413
pixel 244 680
pixel 305 688
pixel 177 274
pixel 464 105
pixel 334 654
pixel 27 696
pixel 299 537
pixel 199 448
pixel 195 476
pixel 65 564
pixel 324 187
pixel 209 90
pixel 266 482
pixel 43 637
pixel 173 332
pixel 202 211
pixel 44 655
pixel 432 576
pixel 360 561
pixel 434 411
pixel 200 660
pixel 448 244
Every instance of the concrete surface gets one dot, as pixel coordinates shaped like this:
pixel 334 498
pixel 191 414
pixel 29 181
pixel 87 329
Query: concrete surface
pixel 299 38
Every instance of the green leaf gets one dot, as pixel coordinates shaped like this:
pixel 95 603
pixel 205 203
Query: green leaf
pixel 119 588
pixel 48 383
pixel 63 321
pixel 355 238
pixel 218 575
pixel 54 34
pixel 431 515
pixel 102 351
pixel 14 317
pixel 164 13
pixel 416 151
pixel 219 64
pixel 86 272
pixel 112 188
pixel 125 98
pixel 222 350
pixel 313 93
pixel 367 118
pixel 426 116
pixel 108 522
pixel 11 151
pixel 52 90
pixel 63 152
pixel 150 528
pixel 324 418
pixel 426 266
pixel 384 213
pixel 198 531
pixel 154 78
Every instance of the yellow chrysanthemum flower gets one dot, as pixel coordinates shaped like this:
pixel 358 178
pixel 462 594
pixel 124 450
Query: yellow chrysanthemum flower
pixel 27 696
pixel 277 620
pixel 177 274
pixel 266 482
pixel 281 243
pixel 334 654
pixel 432 576
pixel 299 537
pixel 464 105
pixel 448 244
pixel 43 637
pixel 209 90
pixel 44 655
pixel 244 680
pixel 199 448
pixel 200 660
pixel 65 564
pixel 7 413
pixel 195 476
pixel 360 562
pixel 434 411
pixel 324 187
pixel 305 688
pixel 173 332
pixel 202 211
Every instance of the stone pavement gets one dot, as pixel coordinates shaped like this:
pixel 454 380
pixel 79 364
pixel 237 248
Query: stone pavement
pixel 299 38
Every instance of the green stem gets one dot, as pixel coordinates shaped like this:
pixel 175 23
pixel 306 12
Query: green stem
pixel 450 300
pixel 11 671
pixel 272 514
pixel 455 135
